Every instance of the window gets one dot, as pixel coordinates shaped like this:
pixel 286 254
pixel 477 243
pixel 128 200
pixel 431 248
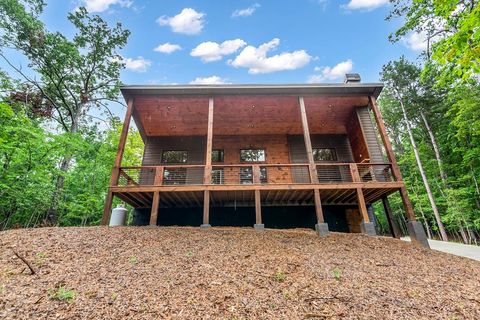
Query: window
pixel 217 176
pixel 217 155
pixel 174 176
pixel 246 175
pixel 252 155
pixel 171 156
pixel 324 154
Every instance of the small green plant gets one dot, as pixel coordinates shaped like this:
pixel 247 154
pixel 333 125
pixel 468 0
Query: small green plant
pixel 286 295
pixel 189 254
pixel 114 296
pixel 40 258
pixel 133 260
pixel 62 294
pixel 337 273
pixel 2 289
pixel 280 276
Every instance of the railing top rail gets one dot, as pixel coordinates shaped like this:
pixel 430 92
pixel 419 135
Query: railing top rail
pixel 256 164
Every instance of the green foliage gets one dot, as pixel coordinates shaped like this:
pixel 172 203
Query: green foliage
pixel 280 276
pixel 453 30
pixel 337 273
pixel 62 293
pixel 29 157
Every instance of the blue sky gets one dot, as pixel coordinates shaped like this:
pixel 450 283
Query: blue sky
pixel 247 41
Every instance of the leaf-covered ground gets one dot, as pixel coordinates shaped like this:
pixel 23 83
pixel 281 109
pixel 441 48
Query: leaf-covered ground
pixel 228 273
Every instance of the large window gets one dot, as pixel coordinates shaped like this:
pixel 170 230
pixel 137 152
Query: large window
pixel 252 155
pixel 217 155
pixel 324 154
pixel 174 156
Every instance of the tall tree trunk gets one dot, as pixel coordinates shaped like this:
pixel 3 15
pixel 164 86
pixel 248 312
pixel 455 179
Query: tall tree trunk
pixel 436 150
pixel 423 174
pixel 52 213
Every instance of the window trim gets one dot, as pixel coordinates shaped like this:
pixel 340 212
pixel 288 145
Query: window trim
pixel 246 149
pixel 163 157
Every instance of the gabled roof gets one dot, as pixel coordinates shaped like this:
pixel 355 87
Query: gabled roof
pixel 336 89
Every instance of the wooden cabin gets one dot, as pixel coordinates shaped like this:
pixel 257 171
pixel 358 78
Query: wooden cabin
pixel 264 155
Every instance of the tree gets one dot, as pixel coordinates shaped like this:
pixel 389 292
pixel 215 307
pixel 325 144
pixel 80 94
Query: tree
pixel 451 29
pixel 400 78
pixel 75 75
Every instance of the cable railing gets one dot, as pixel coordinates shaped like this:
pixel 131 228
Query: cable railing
pixel 254 174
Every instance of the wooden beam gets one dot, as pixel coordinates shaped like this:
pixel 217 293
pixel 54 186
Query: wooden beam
pixel 308 142
pixel 318 206
pixel 118 162
pixel 391 157
pixel 154 212
pixel 258 207
pixel 208 154
pixel 362 206
pixel 206 207
pixel 107 208
pixel 251 187
pixel 394 230
pixel 121 143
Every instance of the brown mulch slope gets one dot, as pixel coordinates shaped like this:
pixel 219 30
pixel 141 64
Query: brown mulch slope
pixel 229 273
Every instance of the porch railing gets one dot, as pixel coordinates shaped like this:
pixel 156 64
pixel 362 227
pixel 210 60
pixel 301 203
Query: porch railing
pixel 245 174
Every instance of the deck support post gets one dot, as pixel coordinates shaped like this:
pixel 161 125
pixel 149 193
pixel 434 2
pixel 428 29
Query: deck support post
pixel 107 209
pixel 118 162
pixel 155 205
pixel 207 179
pixel 320 227
pixel 258 212
pixel 206 209
pixel 417 234
pixel 308 142
pixel 394 230
pixel 366 226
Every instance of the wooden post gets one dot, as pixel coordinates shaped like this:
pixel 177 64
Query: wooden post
pixel 158 176
pixel 107 209
pixel 118 162
pixel 258 208
pixel 208 154
pixel 354 172
pixel 155 205
pixel 256 174
pixel 206 209
pixel 318 206
pixel 391 157
pixel 394 230
pixel 362 206
pixel 308 142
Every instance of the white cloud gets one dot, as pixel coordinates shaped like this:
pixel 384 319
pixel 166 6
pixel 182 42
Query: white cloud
pixel 365 4
pixel 209 80
pixel 245 12
pixel 167 48
pixel 102 5
pixel 136 65
pixel 211 51
pixel 332 73
pixel 256 60
pixel 188 21
pixel 416 41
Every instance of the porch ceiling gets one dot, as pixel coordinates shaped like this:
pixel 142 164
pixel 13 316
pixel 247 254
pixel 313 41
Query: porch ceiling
pixel 242 115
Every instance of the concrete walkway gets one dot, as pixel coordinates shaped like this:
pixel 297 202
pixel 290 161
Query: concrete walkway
pixel 463 250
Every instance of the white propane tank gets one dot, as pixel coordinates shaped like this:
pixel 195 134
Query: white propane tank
pixel 118 217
